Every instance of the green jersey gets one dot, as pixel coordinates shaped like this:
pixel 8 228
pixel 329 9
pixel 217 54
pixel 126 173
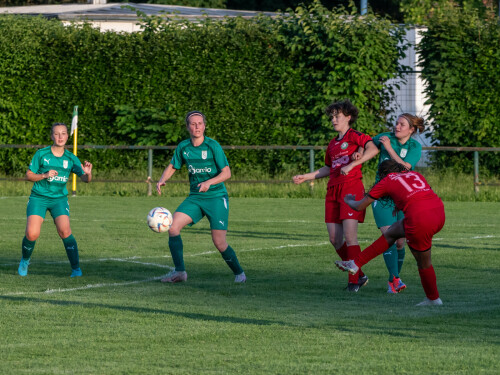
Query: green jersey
pixel 44 161
pixel 203 163
pixel 410 152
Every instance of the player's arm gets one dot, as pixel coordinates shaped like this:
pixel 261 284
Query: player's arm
pixel 394 156
pixel 320 173
pixel 87 168
pixel 224 175
pixel 360 205
pixel 370 151
pixel 34 177
pixel 165 176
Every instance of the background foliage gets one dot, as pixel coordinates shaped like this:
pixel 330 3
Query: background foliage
pixel 260 81
pixel 461 64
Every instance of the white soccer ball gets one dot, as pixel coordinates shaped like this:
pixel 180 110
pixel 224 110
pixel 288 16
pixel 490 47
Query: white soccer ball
pixel 160 219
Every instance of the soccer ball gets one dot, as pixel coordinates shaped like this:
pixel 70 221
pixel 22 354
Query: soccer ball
pixel 159 219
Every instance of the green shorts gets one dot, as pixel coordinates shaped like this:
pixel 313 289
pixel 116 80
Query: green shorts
pixel 383 214
pixel 216 210
pixel 39 205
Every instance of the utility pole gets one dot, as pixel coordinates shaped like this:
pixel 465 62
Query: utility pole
pixel 364 6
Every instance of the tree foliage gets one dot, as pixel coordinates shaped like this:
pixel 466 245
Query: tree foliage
pixel 461 64
pixel 261 81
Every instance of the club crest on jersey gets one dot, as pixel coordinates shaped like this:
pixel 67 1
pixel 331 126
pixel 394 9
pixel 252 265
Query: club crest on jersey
pixel 65 164
pixel 204 154
pixel 344 145
pixel 403 152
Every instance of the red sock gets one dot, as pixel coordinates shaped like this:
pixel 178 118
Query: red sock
pixel 375 249
pixel 342 252
pixel 352 253
pixel 428 280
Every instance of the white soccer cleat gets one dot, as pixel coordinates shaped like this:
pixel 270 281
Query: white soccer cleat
pixel 430 302
pixel 175 277
pixel 241 278
pixel 347 265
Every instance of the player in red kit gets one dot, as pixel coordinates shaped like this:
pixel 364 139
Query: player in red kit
pixel 424 217
pixel 343 166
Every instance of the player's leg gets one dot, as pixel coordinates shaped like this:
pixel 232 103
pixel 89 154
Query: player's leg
pixel 35 213
pixel 32 232
pixel 180 220
pixel 427 277
pixel 350 219
pixel 333 223
pixel 217 211
pixel 60 212
pixel 228 254
pixel 378 247
pixel 383 215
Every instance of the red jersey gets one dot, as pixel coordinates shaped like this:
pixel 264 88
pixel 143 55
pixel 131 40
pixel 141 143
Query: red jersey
pixel 409 191
pixel 338 154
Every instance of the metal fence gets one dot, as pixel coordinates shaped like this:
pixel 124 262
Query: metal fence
pixel 310 149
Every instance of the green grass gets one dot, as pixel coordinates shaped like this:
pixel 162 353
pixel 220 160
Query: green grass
pixel 291 317
pixel 448 185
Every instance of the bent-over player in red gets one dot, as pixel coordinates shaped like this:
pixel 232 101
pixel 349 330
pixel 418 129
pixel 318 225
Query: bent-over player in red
pixel 424 217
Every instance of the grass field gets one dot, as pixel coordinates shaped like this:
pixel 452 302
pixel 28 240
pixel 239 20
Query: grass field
pixel 293 316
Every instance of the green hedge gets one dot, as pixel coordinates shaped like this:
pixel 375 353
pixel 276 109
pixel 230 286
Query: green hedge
pixel 461 64
pixel 261 81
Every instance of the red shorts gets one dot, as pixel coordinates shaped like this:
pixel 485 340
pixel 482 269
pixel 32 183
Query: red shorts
pixel 336 210
pixel 422 225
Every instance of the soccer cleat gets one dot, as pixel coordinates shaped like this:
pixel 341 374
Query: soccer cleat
pixel 362 280
pixel 347 265
pixel 430 302
pixel 352 287
pixel 23 267
pixel 175 277
pixel 76 272
pixel 398 284
pixel 390 288
pixel 241 278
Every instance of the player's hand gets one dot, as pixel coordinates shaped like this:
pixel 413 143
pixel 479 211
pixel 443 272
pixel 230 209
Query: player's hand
pixel 87 167
pixel 356 156
pixel 386 142
pixel 346 169
pixel 298 179
pixel 349 198
pixel 51 173
pixel 204 186
pixel 159 184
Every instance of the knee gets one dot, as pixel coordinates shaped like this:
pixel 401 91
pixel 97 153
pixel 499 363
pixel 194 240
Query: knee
pixel 64 233
pixel 174 231
pixel 221 245
pixel 337 244
pixel 32 235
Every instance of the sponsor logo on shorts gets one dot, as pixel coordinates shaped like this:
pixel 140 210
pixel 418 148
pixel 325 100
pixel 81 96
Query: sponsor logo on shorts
pixel 225 202
pixel 220 221
pixel 194 170
pixel 350 214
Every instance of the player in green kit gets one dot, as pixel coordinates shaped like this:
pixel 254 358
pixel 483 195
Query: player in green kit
pixel 400 147
pixel 50 169
pixel 208 169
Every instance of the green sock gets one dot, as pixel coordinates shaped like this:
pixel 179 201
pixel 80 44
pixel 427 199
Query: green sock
pixel 27 248
pixel 176 250
pixel 391 262
pixel 72 251
pixel 401 258
pixel 232 260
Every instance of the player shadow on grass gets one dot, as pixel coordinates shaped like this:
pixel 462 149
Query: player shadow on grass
pixel 259 235
pixel 146 310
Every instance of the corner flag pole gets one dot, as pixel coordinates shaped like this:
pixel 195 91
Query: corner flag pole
pixel 74 129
